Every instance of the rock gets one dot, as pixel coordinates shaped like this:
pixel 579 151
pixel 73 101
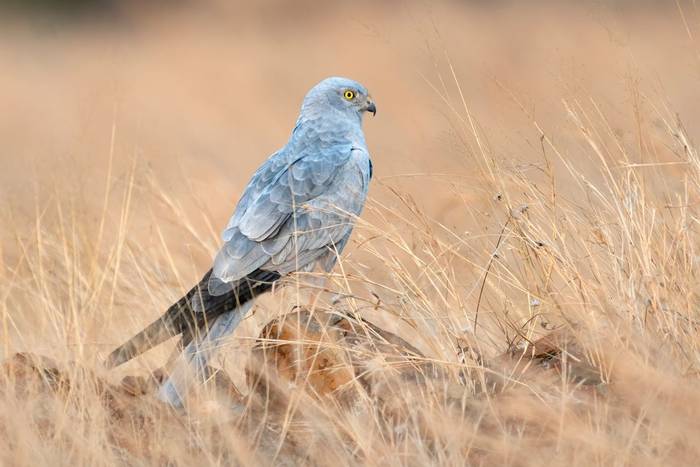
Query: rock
pixel 551 354
pixel 25 372
pixel 331 354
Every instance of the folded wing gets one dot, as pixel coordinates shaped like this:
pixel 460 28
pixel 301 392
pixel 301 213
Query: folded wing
pixel 293 214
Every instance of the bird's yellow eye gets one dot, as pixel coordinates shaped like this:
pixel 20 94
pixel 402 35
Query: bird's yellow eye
pixel 349 95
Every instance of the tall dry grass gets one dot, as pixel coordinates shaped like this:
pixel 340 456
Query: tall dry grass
pixel 583 218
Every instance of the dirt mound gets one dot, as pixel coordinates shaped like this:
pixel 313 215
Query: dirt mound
pixel 332 354
pixel 304 368
pixel 327 353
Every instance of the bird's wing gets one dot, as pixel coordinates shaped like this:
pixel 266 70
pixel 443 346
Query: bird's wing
pixel 291 212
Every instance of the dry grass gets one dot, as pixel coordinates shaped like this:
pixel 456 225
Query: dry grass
pixel 535 174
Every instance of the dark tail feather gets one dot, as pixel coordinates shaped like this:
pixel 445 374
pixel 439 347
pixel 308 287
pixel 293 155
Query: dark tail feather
pixel 181 318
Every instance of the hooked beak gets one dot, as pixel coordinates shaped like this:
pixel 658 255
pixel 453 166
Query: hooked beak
pixel 370 107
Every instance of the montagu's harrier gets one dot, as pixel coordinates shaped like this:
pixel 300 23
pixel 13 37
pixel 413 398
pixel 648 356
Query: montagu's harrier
pixel 297 212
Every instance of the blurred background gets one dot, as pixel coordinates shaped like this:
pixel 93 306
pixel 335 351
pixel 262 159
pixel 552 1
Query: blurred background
pixel 145 122
pixel 208 89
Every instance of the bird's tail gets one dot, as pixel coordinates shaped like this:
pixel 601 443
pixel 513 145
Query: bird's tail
pixel 193 314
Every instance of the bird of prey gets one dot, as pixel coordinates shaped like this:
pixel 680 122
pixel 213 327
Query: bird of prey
pixel 297 212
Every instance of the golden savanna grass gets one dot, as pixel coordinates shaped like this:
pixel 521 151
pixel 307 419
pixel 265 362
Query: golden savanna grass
pixel 535 173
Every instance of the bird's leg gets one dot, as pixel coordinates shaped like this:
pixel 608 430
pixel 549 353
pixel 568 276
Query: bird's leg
pixel 317 285
pixel 191 366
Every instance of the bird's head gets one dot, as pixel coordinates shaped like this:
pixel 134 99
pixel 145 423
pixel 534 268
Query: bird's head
pixel 339 94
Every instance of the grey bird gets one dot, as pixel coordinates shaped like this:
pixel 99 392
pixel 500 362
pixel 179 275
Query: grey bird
pixel 297 212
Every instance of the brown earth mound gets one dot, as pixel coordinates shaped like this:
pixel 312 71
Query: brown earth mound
pixel 304 360
pixel 327 353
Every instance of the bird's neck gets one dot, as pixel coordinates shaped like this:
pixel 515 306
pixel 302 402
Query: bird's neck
pixel 330 127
